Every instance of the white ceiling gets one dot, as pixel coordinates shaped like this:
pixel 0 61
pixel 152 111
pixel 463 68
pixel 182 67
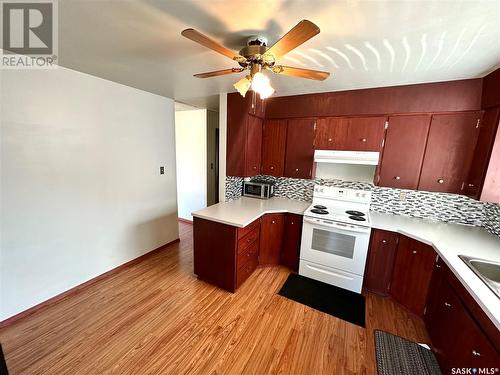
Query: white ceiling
pixel 362 43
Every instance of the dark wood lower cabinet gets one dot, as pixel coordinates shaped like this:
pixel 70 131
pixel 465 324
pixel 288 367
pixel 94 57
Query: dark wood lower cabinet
pixel 412 274
pixel 271 238
pixel 290 249
pixel 457 339
pixel 380 262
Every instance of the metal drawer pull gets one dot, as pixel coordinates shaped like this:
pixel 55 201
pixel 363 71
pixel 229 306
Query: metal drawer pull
pixel 397 177
pixel 296 169
pixel 438 266
pixel 414 251
pixel 470 185
pixel 272 222
pixel 272 167
pixel 440 181
pixel 384 241
pixel 477 354
pixel 330 139
pixel 447 304
pixel 363 139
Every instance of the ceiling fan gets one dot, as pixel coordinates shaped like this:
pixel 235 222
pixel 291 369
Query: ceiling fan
pixel 256 57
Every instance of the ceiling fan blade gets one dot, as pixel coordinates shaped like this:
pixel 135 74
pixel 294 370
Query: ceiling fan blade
pixel 205 41
pixel 302 32
pixel 299 72
pixel 219 73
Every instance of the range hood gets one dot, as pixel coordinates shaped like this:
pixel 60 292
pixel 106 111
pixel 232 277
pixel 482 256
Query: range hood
pixel 346 157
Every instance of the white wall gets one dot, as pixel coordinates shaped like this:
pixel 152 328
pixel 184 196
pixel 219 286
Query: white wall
pixel 191 151
pixel 81 191
pixel 222 145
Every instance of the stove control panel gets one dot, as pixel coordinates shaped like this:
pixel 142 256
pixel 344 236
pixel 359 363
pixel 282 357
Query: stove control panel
pixel 342 194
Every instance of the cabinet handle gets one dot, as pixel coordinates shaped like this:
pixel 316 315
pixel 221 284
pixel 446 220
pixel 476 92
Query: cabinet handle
pixel 330 139
pixel 438 266
pixel 272 222
pixel 397 177
pixel 271 167
pixel 363 139
pixel 440 181
pixel 414 251
pixel 296 169
pixel 384 241
pixel 447 304
pixel 470 185
pixel 292 223
pixel 476 353
pixel 254 167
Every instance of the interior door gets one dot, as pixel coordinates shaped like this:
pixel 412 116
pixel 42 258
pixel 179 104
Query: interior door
pixel 253 146
pixel 404 151
pixel 299 157
pixel 450 148
pixel 273 147
pixel 365 133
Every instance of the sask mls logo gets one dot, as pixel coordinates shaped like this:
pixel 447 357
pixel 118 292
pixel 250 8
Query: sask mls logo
pixel 29 34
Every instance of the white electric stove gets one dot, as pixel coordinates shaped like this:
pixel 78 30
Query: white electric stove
pixel 335 237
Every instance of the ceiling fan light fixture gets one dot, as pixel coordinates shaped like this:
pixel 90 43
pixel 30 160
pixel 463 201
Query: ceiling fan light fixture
pixel 262 85
pixel 243 85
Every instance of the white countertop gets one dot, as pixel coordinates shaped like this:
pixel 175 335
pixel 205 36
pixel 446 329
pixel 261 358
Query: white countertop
pixel 243 211
pixel 449 240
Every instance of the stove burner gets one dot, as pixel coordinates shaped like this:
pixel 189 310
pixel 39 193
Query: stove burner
pixel 320 207
pixel 318 211
pixel 357 218
pixel 355 213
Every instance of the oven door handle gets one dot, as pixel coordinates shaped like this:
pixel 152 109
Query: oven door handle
pixel 346 227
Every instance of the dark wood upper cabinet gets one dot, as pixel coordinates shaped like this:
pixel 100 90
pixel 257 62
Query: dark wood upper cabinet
pixel 365 133
pixel 271 238
pixel 331 133
pixel 484 145
pixel 380 262
pixel 290 249
pixel 299 157
pixel 253 146
pixel 412 274
pixel 273 147
pixel 490 191
pixel 449 152
pixel 237 116
pixel 404 150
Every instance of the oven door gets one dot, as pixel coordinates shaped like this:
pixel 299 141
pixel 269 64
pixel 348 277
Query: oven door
pixel 333 244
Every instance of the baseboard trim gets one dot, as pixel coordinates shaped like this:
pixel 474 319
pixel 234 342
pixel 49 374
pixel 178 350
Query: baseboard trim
pixel 78 288
pixel 185 221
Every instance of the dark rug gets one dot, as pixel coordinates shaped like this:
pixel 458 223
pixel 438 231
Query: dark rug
pixel 396 355
pixel 326 298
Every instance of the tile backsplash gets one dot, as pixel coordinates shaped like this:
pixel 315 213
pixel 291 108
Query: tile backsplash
pixel 452 208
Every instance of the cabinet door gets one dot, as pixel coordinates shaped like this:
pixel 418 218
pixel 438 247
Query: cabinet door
pixel 450 148
pixel 291 242
pixel 253 146
pixel 237 117
pixel 271 238
pixel 380 261
pixel 365 133
pixel 412 274
pixel 404 151
pixel 273 147
pixel 331 133
pixel 299 148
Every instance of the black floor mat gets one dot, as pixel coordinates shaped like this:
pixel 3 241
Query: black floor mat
pixel 396 355
pixel 326 298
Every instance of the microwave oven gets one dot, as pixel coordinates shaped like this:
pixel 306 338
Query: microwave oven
pixel 258 189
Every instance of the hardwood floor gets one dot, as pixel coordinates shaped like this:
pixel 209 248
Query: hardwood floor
pixel 156 317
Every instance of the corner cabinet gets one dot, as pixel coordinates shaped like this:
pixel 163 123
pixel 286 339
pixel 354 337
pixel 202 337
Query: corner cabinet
pixel 380 262
pixel 290 249
pixel 412 274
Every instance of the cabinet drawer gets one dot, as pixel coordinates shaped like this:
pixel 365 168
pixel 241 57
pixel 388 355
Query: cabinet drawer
pixel 249 252
pixel 242 232
pixel 251 237
pixel 246 268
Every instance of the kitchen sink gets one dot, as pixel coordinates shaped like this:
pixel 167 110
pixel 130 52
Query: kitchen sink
pixel 488 271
